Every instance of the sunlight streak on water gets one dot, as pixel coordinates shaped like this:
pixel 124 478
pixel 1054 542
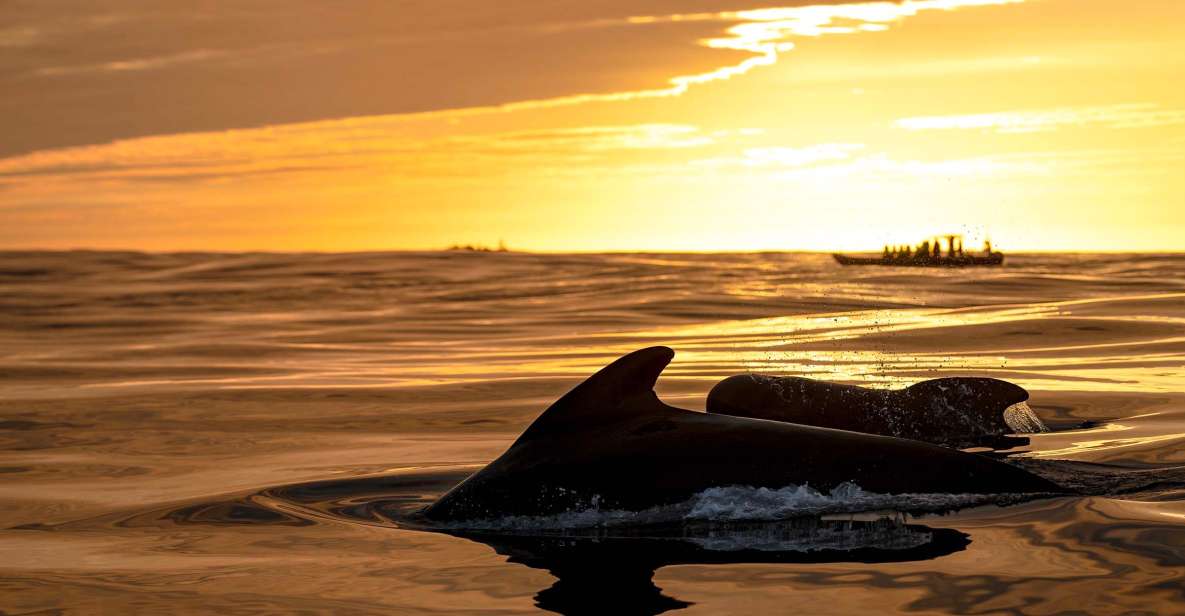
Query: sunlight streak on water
pixel 863 345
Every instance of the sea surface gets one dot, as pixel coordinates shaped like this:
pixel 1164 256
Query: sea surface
pixel 251 433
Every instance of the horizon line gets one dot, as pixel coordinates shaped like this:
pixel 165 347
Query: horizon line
pixel 295 251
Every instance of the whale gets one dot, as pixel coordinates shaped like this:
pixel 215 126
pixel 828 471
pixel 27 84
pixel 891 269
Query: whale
pixel 952 411
pixel 611 444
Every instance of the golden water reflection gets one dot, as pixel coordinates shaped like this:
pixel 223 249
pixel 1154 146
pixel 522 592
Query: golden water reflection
pixel 1041 346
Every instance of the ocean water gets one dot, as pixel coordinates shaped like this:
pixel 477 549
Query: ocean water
pixel 253 433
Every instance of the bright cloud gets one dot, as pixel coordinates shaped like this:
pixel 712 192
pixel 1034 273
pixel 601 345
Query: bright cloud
pixel 299 148
pixel 766 33
pixel 1136 115
pixel 778 156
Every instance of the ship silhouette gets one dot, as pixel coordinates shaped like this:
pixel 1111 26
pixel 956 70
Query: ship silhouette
pixel 929 254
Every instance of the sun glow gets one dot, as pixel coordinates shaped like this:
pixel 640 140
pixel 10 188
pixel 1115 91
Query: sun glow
pixel 914 121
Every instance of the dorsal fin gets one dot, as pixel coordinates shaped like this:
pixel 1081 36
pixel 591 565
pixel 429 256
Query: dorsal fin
pixel 620 389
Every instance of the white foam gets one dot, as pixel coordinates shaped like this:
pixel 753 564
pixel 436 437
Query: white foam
pixel 884 533
pixel 742 504
pixel 1022 420
pixel 734 503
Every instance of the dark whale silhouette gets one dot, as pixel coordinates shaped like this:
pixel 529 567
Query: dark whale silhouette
pixel 957 411
pixel 611 443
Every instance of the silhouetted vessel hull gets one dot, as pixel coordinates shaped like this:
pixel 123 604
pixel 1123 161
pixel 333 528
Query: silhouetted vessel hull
pixel 995 258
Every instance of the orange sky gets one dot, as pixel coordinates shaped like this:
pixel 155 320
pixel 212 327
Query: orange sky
pixel 560 125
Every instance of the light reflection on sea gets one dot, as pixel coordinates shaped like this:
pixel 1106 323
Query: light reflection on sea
pixel 136 385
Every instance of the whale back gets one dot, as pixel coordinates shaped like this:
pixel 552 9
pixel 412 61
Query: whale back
pixel 955 411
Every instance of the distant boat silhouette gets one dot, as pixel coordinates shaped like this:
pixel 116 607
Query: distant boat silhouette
pixel 478 248
pixel 928 254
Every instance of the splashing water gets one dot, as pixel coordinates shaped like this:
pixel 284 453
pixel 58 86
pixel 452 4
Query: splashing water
pixel 739 503
pixel 1023 420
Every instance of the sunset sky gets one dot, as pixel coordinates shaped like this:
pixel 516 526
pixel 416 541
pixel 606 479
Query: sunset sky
pixel 591 125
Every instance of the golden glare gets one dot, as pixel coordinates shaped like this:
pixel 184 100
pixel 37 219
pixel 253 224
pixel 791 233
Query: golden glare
pixel 921 118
